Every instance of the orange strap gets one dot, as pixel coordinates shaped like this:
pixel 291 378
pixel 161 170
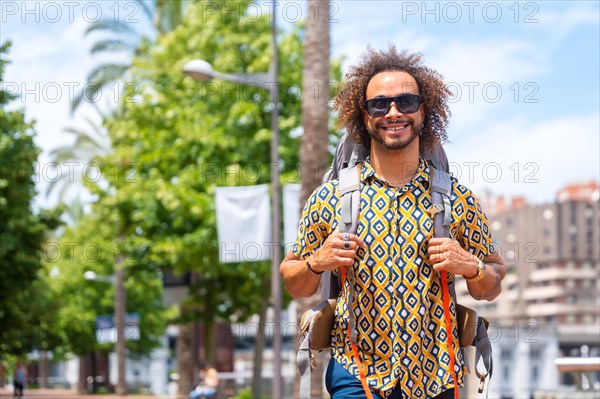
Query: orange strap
pixel 449 335
pixel 361 367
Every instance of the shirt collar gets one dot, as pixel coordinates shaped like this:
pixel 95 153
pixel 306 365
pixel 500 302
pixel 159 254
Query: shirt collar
pixel 420 179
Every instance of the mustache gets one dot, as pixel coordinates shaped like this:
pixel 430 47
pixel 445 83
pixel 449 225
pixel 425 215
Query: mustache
pixel 395 122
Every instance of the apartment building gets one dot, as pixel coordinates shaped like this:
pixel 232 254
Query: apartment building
pixel 550 305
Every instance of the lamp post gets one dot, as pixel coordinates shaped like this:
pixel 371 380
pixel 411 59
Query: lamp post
pixel 203 71
pixel 120 305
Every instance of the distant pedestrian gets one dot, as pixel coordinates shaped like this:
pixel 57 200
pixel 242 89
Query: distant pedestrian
pixel 209 381
pixel 20 379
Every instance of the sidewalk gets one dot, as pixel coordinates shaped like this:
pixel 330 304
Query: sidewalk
pixel 64 394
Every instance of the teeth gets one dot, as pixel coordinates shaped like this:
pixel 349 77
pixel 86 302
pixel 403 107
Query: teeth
pixel 396 128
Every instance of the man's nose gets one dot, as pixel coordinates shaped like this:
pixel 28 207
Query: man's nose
pixel 393 111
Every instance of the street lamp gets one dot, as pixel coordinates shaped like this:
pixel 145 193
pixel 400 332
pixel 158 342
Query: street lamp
pixel 201 70
pixel 120 305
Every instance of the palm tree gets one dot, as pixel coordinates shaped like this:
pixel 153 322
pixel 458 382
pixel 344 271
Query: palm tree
pixel 314 143
pixel 90 143
pixel 120 36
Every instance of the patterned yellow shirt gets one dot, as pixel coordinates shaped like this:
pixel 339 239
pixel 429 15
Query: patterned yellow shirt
pixel 398 298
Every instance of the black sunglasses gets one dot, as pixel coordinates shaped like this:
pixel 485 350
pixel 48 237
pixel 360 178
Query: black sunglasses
pixel 405 103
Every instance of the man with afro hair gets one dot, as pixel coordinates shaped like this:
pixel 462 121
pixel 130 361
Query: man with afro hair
pixel 398 109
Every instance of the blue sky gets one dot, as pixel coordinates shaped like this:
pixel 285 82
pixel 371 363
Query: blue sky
pixel 526 77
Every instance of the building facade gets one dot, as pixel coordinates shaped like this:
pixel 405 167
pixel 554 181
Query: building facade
pixel 550 304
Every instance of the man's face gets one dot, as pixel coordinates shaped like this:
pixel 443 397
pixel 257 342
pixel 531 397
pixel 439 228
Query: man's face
pixel 394 130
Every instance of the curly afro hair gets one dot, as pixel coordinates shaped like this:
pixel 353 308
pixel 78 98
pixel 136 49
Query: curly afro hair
pixel 350 100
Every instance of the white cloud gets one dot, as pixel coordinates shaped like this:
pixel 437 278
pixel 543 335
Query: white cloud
pixel 48 70
pixel 560 23
pixel 534 160
pixel 483 60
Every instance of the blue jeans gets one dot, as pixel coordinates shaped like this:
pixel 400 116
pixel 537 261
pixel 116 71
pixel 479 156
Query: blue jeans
pixel 202 393
pixel 343 385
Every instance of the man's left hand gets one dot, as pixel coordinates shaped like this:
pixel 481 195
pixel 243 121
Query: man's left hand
pixel 447 254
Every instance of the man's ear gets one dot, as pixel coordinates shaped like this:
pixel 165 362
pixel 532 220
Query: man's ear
pixel 366 117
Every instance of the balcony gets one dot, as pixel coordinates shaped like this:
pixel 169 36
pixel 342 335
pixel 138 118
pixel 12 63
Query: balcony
pixel 552 309
pixel 549 291
pixel 556 273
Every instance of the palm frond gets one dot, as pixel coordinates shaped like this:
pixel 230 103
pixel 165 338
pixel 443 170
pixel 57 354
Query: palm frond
pixel 106 73
pixel 112 26
pixel 113 45
pixel 98 80
pixel 76 101
pixel 147 11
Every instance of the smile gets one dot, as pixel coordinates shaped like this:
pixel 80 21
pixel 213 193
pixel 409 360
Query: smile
pixel 395 128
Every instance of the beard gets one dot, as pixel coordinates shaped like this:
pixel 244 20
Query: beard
pixel 398 143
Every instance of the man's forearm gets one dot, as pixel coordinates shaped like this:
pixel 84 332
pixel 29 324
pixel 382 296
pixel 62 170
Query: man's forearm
pixel 299 281
pixel 490 286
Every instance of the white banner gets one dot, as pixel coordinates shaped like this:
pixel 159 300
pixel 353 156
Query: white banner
pixel 243 223
pixel 291 214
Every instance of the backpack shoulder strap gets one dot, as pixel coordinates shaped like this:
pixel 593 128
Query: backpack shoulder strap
pixel 441 211
pixel 349 190
pixel 440 185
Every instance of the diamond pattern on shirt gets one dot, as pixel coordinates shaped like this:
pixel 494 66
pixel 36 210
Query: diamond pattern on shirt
pixel 398 297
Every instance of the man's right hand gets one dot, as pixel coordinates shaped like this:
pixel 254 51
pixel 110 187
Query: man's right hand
pixel 339 249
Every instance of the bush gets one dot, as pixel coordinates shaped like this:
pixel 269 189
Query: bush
pixel 246 393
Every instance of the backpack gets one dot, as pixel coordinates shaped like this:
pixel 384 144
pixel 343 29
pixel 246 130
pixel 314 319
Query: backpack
pixel 316 324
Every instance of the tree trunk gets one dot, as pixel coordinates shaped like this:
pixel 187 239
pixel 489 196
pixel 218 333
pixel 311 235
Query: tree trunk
pixel 82 380
pixel 314 154
pixel 44 369
pixel 185 360
pixel 259 349
pixel 314 157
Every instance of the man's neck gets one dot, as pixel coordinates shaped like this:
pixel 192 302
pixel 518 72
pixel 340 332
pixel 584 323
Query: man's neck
pixel 397 167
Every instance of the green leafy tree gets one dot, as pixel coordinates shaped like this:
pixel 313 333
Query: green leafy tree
pixel 93 244
pixel 22 231
pixel 181 138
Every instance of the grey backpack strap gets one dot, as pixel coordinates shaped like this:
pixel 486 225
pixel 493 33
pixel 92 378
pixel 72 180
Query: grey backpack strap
pixel 349 189
pixel 441 184
pixel 303 361
pixel 483 350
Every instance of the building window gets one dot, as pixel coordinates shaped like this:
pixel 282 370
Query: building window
pixel 547 232
pixel 506 354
